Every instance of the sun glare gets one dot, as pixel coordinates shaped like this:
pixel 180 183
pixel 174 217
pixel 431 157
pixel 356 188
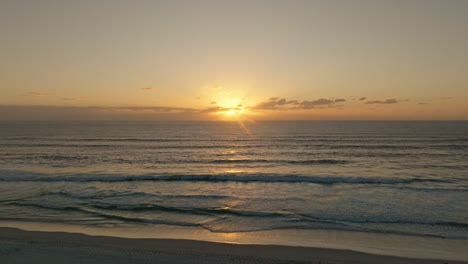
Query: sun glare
pixel 232 112
pixel 231 108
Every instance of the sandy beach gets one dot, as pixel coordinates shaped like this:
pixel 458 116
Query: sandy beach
pixel 18 246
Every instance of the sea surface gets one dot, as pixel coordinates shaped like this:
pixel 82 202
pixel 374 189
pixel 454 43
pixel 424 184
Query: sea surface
pixel 408 178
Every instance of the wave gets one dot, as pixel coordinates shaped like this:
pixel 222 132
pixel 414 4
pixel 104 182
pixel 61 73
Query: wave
pixel 106 215
pixel 190 210
pixel 241 161
pixel 244 145
pixel 433 189
pixel 320 161
pixel 295 139
pixel 83 158
pixel 384 221
pixel 279 220
pixel 289 216
pixel 58 145
pixel 266 178
pixel 133 194
pixel 296 162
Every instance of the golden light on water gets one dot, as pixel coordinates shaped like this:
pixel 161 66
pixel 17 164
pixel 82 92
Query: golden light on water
pixel 231 238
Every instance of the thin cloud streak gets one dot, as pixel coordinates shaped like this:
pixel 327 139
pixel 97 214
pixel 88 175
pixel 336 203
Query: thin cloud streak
pixel 35 94
pixel 387 101
pixel 275 103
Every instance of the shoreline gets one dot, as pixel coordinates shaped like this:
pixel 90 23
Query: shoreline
pixel 20 246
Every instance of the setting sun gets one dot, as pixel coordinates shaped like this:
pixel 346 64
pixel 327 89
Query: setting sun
pixel 232 112
pixel 231 108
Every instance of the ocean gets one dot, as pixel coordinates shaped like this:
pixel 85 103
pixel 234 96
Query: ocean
pixel 394 177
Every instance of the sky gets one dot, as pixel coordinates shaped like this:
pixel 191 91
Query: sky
pixel 229 60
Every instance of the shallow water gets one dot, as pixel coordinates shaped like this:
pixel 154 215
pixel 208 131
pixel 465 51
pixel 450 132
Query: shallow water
pixel 379 177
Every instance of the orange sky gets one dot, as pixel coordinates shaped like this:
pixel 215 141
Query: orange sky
pixel 228 60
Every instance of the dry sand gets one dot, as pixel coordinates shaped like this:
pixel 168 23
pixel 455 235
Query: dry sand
pixel 17 246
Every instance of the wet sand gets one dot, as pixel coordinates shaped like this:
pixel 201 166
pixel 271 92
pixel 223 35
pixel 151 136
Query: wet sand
pixel 18 246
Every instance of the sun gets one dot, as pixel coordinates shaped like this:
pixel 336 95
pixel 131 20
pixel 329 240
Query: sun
pixel 235 110
pixel 232 112
pixel 231 108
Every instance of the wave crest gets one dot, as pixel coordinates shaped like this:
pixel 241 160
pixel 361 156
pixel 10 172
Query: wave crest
pixel 266 178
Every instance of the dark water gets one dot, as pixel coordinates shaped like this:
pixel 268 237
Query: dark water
pixel 394 177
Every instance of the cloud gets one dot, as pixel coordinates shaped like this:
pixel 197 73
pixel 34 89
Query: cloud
pixel 52 96
pixel 38 94
pixel 275 103
pixel 167 109
pixel 156 109
pixel 212 109
pixel 213 102
pixel 388 101
pixel 147 88
pixel 422 103
pixel 362 98
pixel 315 103
pixel 51 112
pixel 44 112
